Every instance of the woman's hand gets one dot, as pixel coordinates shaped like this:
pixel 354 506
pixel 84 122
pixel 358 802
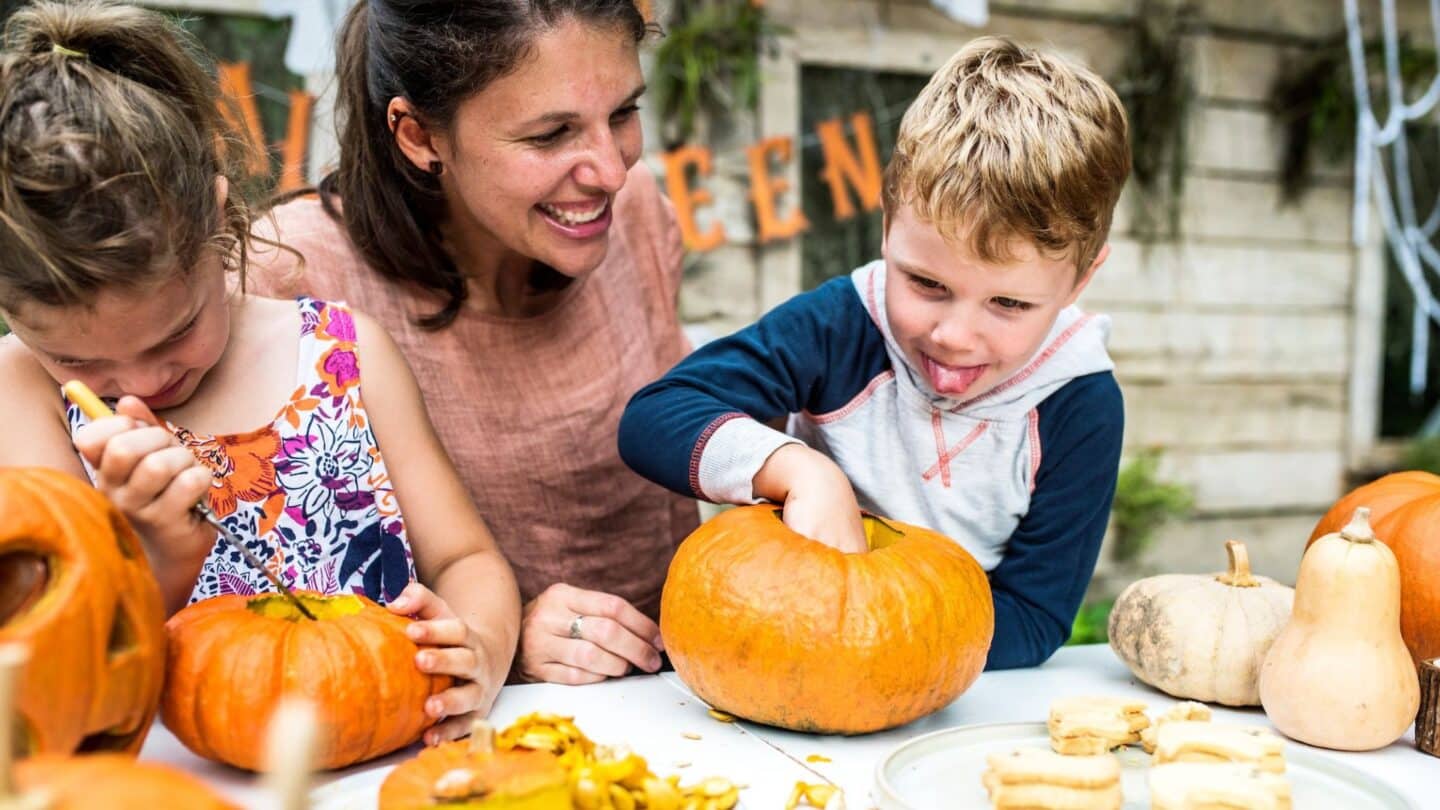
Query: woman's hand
pixel 458 651
pixel 570 635
pixel 819 501
pixel 155 482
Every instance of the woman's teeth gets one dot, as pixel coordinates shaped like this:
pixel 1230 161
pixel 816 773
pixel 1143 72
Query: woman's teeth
pixel 574 217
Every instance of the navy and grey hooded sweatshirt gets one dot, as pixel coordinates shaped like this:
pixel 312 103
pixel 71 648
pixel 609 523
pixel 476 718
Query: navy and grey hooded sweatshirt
pixel 1022 476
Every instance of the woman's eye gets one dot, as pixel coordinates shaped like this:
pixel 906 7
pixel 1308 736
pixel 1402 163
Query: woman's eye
pixel 549 137
pixel 1012 304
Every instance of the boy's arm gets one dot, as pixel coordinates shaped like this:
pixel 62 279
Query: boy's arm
pixel 700 430
pixel 1040 582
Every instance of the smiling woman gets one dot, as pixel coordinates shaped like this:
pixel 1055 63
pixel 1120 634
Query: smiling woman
pixel 490 210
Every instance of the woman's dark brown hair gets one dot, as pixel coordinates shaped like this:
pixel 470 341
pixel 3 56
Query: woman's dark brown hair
pixel 435 54
pixel 111 141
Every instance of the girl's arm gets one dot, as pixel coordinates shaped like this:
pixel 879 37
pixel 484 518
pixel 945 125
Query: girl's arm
pixel 141 468
pixel 470 605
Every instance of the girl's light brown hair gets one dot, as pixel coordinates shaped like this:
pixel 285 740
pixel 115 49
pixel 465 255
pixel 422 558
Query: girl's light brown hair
pixel 1007 143
pixel 111 141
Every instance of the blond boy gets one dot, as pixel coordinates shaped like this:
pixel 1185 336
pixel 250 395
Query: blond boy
pixel 953 384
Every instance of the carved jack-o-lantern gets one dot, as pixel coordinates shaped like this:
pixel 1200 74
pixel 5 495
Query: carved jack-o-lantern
pixel 75 587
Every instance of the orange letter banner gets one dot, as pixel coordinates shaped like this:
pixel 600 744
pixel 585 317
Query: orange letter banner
pixel 842 165
pixel 686 200
pixel 234 80
pixel 764 189
pixel 297 141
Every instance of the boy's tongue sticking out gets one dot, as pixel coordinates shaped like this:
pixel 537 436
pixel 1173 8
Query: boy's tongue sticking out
pixel 950 381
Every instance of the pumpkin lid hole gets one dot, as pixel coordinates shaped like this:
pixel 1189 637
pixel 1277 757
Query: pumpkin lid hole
pixel 22 737
pixel 23 577
pixel 122 635
pixel 324 608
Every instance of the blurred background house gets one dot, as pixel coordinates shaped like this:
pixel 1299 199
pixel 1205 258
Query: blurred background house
pixel 1264 355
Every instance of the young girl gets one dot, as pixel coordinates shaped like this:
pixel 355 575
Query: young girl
pixel 122 256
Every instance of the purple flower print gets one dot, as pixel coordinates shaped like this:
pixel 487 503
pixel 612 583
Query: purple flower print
pixel 324 471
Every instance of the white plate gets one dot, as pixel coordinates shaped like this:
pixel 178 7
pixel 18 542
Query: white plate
pixel 358 791
pixel 942 769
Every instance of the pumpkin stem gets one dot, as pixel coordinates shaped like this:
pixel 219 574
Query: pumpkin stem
pixel 12 660
pixel 1358 529
pixel 1239 574
pixel 290 752
pixel 482 738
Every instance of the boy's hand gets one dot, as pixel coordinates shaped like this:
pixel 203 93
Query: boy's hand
pixel 819 501
pixel 461 654
pixel 153 480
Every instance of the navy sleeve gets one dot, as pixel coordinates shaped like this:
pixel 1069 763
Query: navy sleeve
pixel 1042 578
pixel 815 350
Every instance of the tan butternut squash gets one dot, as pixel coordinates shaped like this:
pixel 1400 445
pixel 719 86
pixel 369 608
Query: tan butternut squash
pixel 1201 636
pixel 1339 675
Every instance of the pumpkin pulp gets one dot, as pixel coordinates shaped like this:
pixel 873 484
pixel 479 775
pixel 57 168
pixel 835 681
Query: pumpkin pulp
pixel 323 608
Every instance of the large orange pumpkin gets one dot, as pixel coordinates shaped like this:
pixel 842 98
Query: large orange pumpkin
pixel 112 781
pixel 1405 515
pixel 233 657
pixel 777 628
pixel 76 589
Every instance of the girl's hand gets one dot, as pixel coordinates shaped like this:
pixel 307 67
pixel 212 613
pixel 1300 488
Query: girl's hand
pixel 153 480
pixel 461 654
pixel 610 637
pixel 819 501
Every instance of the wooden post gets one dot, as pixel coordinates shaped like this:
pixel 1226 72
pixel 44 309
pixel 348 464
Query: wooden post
pixel 12 663
pixel 290 753
pixel 1427 722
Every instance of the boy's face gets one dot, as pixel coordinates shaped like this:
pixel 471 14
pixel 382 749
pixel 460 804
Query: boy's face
pixel 967 325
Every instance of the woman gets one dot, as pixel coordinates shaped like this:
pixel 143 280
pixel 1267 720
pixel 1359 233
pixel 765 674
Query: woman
pixel 490 210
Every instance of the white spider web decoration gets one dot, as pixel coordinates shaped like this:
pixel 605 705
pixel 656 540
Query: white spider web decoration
pixel 1408 237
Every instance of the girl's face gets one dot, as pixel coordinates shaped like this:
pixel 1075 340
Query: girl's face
pixel 156 343
pixel 535 159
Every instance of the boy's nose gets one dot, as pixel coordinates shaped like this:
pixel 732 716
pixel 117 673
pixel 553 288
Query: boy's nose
pixel 955 337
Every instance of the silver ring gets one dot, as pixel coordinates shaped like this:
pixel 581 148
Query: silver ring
pixel 575 626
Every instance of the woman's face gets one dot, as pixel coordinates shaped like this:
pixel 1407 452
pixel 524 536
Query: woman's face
pixel 534 160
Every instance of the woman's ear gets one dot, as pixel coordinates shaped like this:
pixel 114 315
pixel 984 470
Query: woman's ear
pixel 412 138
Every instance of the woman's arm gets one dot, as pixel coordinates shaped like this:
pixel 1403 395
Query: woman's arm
pixel 477 619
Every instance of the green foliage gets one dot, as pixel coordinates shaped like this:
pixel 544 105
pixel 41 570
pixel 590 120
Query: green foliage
pixel 709 61
pixel 1143 503
pixel 1422 454
pixel 1314 99
pixel 1157 86
pixel 1092 623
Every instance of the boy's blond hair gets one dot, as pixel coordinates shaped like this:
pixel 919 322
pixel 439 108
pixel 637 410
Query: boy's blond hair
pixel 1007 142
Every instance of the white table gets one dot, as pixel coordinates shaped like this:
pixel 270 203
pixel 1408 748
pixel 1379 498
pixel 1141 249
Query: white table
pixel 654 713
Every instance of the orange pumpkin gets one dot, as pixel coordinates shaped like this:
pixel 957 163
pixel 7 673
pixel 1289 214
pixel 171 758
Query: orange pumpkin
pixel 76 589
pixel 113 781
pixel 453 776
pixel 777 628
pixel 1405 515
pixel 233 657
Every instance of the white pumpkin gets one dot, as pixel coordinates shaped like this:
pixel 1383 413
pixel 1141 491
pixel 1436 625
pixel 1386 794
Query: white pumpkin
pixel 1201 636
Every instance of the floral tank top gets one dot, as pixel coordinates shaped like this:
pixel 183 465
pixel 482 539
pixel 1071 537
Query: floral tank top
pixel 309 493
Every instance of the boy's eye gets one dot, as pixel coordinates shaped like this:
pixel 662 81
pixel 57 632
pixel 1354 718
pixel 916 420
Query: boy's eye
pixel 1011 304
pixel 926 283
